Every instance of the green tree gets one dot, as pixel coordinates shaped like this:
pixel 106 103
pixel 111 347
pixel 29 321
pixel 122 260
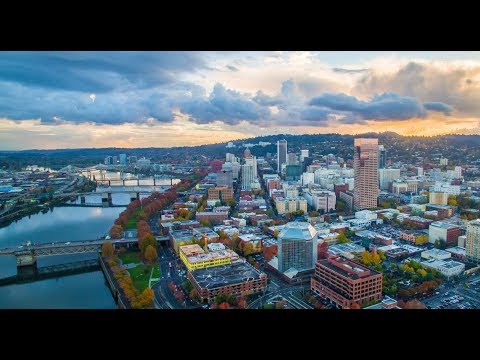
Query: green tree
pixel 151 254
pixel 440 244
pixel 107 249
pixel 148 239
pixel 342 238
pixel 452 200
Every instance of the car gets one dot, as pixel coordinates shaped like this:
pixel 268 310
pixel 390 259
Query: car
pixel 67 243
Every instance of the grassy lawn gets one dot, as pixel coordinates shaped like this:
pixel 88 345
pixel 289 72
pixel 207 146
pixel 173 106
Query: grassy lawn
pixel 130 257
pixel 140 276
pixel 156 271
pixel 132 222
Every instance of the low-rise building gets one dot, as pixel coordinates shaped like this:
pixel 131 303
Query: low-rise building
pixel 446 268
pixel 457 252
pixel 287 205
pixel 345 282
pixel 223 193
pixel 415 237
pixel 441 230
pixel 212 217
pixel 194 257
pixel 436 254
pixel 239 279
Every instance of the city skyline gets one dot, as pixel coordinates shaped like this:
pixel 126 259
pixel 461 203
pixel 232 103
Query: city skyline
pixel 163 99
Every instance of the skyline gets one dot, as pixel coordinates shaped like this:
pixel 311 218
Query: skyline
pixel 58 100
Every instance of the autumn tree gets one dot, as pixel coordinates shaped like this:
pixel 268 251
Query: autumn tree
pixel 247 249
pixel 116 232
pixel 151 254
pixel 322 250
pixel 145 299
pixel 342 238
pixel 107 249
pixel 275 233
pixel 452 200
pixel 280 304
pixel 355 306
pixel 148 239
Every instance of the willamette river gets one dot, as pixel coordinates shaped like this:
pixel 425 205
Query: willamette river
pixel 80 291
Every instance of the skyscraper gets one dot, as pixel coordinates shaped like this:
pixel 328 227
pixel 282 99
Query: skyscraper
pixel 281 154
pixel 382 157
pixel 247 176
pixel 365 165
pixel 123 159
pixel 225 178
pixel 303 154
pixel 472 245
pixel 292 159
pixel 297 247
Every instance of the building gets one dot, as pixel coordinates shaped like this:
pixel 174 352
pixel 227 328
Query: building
pixel 297 247
pixel 239 279
pixel 247 176
pixel 399 187
pixel 132 160
pixel 212 217
pixel 339 187
pixel 441 230
pixel 365 173
pixel 386 176
pixel 345 282
pixel 143 163
pixel 436 254
pixel 288 205
pixel 189 236
pixel 462 241
pixel 438 198
pixel 415 237
pixel 229 157
pixel 194 257
pixel 347 196
pixel 446 268
pixel 447 187
pixel 108 160
pixel 225 178
pixel 222 193
pixel 307 161
pixel 307 178
pixel 292 159
pixel 443 161
pixel 123 159
pixel 472 243
pixel 321 200
pixel 303 154
pixel 293 172
pixel 382 157
pixel 281 154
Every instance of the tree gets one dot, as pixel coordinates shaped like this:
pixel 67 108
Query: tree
pixel 342 238
pixel 366 258
pixel 193 294
pixel 270 213
pixel 145 299
pixel 452 200
pixel 322 250
pixel 340 205
pixel 375 258
pixel 280 304
pixel 116 232
pixel 247 248
pixel 355 306
pixel 205 223
pixel 275 233
pixel 151 254
pixel 440 244
pixel 148 239
pixel 107 249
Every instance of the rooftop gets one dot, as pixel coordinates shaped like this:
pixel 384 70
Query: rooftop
pixel 435 252
pixel 196 254
pixel 347 268
pixel 224 275
pixel 346 247
pixel 443 225
pixel 297 231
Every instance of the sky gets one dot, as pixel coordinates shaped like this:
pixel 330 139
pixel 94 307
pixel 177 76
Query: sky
pixel 51 100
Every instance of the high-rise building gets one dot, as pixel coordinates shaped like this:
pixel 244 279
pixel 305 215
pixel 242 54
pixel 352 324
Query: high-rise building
pixel 303 154
pixel 365 165
pixel 123 159
pixel 132 159
pixel 292 159
pixel 386 176
pixel 281 154
pixel 419 171
pixel 252 160
pixel 115 160
pixel 229 157
pixel 307 161
pixel 382 157
pixel 297 247
pixel 443 161
pixel 346 282
pixel 247 176
pixel 472 244
pixel 108 160
pixel 225 178
pixel 293 172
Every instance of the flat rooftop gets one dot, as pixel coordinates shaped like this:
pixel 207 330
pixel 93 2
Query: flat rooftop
pixel 436 252
pixel 196 254
pixel 224 275
pixel 346 247
pixel 443 225
pixel 348 268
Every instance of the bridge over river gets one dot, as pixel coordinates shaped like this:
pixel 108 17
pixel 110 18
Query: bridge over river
pixel 27 255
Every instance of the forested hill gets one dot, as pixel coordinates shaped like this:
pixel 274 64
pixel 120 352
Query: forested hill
pixel 457 148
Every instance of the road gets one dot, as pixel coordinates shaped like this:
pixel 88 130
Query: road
pixel 291 294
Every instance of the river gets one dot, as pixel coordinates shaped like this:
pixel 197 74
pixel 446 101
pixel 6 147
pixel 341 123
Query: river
pixel 88 290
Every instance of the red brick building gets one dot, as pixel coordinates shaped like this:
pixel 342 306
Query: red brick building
pixel 216 165
pixel 223 193
pixel 346 282
pixel 274 184
pixel 339 187
pixel 213 217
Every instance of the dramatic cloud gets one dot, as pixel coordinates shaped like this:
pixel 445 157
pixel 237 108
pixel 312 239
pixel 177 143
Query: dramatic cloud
pixel 96 71
pixel 224 105
pixel 380 107
pixel 438 106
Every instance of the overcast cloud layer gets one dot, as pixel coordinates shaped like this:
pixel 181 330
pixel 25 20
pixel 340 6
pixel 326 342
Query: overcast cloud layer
pixel 266 90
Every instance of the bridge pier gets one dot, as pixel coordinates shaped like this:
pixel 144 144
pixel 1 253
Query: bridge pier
pixel 154 181
pixel 134 196
pixel 26 258
pixel 123 182
pixel 82 199
pixel 107 199
pixel 138 182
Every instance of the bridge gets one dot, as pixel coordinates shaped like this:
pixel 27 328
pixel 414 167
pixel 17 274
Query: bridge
pixel 27 255
pixel 121 182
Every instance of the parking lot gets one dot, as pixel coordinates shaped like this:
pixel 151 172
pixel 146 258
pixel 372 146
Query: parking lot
pixel 458 297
